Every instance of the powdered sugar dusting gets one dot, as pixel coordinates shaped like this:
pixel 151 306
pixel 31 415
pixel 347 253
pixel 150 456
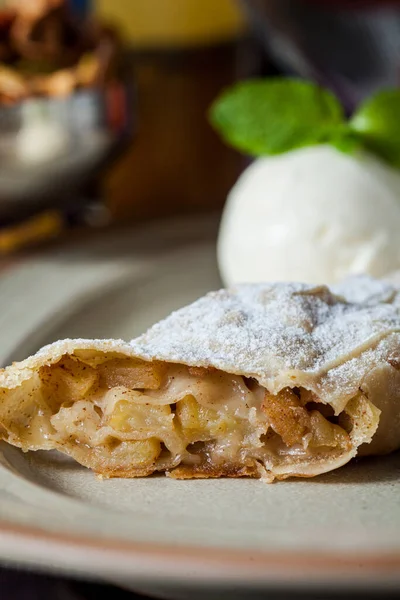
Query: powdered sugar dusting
pixel 269 330
pixel 363 289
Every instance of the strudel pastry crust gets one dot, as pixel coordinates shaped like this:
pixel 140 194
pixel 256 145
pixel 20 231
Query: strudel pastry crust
pixel 267 381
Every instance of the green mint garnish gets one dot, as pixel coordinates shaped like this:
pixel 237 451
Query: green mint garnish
pixel 272 116
pixel 377 124
pixel 276 115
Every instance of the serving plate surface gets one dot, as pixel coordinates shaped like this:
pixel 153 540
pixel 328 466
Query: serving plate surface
pixel 342 528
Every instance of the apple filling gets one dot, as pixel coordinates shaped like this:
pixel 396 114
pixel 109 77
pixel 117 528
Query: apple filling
pixel 124 417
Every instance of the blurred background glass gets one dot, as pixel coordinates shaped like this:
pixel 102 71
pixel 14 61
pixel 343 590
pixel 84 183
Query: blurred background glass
pixel 182 54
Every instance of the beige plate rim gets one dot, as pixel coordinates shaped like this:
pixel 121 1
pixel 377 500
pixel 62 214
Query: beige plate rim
pixel 143 559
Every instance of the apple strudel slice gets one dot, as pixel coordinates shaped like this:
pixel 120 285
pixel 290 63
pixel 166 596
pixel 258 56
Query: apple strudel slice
pixel 267 381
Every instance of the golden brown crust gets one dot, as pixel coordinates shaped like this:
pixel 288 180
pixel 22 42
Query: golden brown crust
pixel 209 471
pixel 124 473
pixel 204 471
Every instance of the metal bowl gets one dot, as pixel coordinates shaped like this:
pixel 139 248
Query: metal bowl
pixel 50 147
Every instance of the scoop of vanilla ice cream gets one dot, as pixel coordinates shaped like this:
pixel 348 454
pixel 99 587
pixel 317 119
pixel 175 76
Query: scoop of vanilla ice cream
pixel 313 215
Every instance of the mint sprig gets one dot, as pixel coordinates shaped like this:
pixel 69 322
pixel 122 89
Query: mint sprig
pixel 276 115
pixel 272 116
pixel 377 124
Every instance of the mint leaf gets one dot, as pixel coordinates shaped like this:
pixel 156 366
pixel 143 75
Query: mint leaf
pixel 271 116
pixel 377 124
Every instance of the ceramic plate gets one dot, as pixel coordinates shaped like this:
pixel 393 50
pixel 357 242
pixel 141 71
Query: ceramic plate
pixel 341 529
